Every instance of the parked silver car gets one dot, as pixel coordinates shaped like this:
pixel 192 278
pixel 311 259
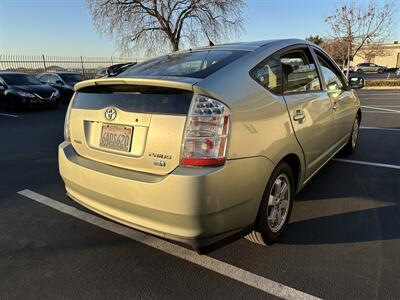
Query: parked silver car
pixel 369 68
pixel 209 144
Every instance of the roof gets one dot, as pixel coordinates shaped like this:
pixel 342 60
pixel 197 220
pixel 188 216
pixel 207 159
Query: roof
pixel 62 72
pixel 251 46
pixel 13 73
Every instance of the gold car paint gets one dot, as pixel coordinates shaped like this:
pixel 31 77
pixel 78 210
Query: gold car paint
pixel 189 202
pixel 193 202
pixel 314 131
pixel 160 134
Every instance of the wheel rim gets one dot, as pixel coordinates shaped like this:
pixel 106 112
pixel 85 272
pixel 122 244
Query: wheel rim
pixel 278 203
pixel 354 134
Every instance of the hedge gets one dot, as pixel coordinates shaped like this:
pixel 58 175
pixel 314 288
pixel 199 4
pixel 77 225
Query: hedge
pixel 380 82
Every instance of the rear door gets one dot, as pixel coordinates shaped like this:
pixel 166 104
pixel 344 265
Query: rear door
pixel 309 106
pixel 341 96
pixel 137 127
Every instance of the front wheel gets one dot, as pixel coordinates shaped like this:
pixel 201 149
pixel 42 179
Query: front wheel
pixel 275 208
pixel 352 142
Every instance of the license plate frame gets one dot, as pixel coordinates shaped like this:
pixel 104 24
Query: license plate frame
pixel 119 137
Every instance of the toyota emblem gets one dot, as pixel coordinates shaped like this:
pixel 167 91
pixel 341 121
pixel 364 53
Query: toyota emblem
pixel 110 114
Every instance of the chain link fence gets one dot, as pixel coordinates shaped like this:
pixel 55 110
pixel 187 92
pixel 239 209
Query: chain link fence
pixel 35 64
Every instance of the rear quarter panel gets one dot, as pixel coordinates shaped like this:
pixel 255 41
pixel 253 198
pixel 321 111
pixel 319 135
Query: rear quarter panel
pixel 260 124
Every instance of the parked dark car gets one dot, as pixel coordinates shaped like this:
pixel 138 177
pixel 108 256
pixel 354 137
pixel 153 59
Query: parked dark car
pixel 19 90
pixel 63 81
pixel 114 70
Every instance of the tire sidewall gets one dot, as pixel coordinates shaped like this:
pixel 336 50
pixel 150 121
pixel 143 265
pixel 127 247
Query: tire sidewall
pixel 268 235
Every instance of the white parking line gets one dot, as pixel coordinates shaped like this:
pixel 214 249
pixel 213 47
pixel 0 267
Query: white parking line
pixel 235 273
pixel 380 128
pixel 379 105
pixel 358 162
pixel 378 108
pixel 8 115
pixel 378 112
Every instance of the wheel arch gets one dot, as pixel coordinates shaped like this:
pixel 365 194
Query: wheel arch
pixel 294 162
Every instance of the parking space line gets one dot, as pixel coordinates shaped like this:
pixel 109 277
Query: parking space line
pixel 359 162
pixel 379 105
pixel 378 112
pixel 380 128
pixel 264 284
pixel 379 108
pixel 8 115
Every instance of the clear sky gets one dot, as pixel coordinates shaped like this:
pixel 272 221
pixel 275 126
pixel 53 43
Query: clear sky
pixel 64 27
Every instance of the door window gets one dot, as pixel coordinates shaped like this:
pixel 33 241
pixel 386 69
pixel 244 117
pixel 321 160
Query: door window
pixel 44 78
pixel 332 77
pixel 53 78
pixel 268 74
pixel 299 72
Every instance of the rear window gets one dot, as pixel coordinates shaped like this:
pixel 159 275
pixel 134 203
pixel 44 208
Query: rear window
pixel 197 64
pixel 131 98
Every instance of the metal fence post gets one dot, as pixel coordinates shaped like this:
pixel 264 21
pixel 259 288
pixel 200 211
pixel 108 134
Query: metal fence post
pixel 112 61
pixel 83 69
pixel 44 63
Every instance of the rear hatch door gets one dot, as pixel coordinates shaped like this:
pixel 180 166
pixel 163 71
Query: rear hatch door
pixel 133 123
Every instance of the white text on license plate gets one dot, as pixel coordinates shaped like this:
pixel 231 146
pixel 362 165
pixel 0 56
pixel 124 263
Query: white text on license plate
pixel 116 137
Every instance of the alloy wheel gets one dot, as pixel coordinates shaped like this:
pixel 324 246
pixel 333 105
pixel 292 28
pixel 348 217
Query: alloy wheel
pixel 278 203
pixel 354 134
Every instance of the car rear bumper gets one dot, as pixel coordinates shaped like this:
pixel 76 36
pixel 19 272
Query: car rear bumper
pixel 199 207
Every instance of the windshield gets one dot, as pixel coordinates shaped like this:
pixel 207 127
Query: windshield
pixel 20 79
pixel 198 64
pixel 71 77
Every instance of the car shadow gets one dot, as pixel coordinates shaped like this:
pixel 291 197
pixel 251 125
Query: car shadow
pixel 374 224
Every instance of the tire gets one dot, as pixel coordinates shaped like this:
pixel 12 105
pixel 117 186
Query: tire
pixel 359 71
pixel 265 233
pixel 352 142
pixel 380 71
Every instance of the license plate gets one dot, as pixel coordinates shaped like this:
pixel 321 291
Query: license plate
pixel 116 137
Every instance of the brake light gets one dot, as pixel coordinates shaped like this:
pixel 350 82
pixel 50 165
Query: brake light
pixel 206 133
pixel 67 131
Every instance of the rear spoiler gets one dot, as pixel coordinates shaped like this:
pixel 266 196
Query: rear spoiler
pixel 177 84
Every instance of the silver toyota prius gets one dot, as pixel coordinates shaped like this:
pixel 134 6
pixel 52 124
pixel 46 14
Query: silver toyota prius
pixel 208 145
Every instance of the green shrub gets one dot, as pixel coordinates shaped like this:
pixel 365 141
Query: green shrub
pixel 380 82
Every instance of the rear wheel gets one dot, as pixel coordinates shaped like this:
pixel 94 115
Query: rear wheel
pixel 275 208
pixel 380 71
pixel 359 71
pixel 352 143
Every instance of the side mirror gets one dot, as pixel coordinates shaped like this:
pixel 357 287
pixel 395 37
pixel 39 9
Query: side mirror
pixel 356 82
pixel 59 82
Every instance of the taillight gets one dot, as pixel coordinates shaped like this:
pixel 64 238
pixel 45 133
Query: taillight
pixel 67 131
pixel 206 133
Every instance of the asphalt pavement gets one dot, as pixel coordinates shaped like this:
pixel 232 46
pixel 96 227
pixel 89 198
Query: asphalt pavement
pixel 343 241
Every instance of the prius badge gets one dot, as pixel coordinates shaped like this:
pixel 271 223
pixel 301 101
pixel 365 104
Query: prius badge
pixel 110 114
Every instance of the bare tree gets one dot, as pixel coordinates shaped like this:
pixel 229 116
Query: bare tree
pixel 337 48
pixel 158 25
pixel 357 25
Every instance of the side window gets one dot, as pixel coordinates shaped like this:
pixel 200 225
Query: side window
pixel 299 72
pixel 268 74
pixel 332 77
pixel 44 78
pixel 53 78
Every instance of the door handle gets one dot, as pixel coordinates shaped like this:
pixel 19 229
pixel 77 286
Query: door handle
pixel 299 116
